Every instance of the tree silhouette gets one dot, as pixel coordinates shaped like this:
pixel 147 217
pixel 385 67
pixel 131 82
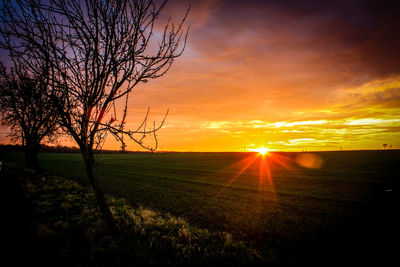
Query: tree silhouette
pixel 26 109
pixel 98 51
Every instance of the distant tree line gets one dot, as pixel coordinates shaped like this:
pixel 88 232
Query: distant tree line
pixel 61 149
pixel 42 148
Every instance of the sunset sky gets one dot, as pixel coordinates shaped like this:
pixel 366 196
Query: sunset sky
pixel 286 75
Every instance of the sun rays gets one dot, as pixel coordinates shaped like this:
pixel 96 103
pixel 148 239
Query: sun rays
pixel 257 170
pixel 259 165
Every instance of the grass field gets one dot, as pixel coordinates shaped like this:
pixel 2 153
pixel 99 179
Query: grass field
pixel 288 212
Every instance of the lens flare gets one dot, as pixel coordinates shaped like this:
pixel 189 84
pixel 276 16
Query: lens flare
pixel 308 160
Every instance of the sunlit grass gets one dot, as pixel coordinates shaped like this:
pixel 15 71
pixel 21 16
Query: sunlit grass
pixel 66 216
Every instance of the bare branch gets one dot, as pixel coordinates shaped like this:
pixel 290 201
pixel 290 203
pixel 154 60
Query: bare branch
pixel 96 52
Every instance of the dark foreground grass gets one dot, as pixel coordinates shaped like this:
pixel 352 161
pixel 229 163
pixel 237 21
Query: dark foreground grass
pixel 340 211
pixel 65 229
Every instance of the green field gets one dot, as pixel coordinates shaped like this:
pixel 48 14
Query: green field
pixel 296 213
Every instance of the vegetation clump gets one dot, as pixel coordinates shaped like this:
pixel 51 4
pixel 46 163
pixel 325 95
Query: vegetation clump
pixel 68 230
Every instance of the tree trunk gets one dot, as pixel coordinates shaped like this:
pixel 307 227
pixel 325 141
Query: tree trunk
pixel 31 157
pixel 91 170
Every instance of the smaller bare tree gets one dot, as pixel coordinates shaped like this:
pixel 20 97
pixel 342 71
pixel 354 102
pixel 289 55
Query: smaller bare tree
pixel 26 109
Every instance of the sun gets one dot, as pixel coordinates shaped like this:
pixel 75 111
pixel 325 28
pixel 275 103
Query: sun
pixel 261 150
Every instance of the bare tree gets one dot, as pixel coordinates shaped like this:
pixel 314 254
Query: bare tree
pixel 26 109
pixel 98 52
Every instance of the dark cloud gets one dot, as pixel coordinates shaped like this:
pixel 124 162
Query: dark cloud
pixel 359 37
